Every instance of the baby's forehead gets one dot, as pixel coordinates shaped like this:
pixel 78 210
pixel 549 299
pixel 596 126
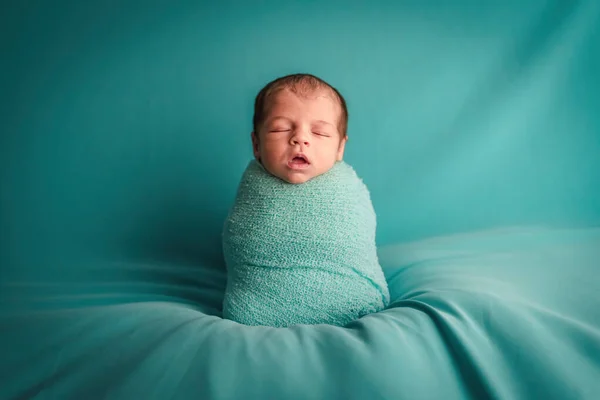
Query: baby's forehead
pixel 304 93
pixel 286 98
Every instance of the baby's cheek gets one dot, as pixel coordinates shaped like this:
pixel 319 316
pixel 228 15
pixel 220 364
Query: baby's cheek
pixel 270 155
pixel 271 147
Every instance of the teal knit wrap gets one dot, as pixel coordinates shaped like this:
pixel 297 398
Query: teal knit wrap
pixel 302 254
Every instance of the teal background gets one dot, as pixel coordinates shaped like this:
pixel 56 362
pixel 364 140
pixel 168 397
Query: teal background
pixel 124 130
pixel 125 127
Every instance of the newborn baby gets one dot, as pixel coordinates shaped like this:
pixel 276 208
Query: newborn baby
pixel 299 242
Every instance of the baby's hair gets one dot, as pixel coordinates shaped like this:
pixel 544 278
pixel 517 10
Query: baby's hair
pixel 302 85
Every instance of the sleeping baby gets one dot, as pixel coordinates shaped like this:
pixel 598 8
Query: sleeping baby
pixel 299 241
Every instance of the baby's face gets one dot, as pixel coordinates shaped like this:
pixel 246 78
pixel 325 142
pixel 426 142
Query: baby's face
pixel 299 139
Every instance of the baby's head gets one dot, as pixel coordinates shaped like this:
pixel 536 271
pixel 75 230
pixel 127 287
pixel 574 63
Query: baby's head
pixel 300 126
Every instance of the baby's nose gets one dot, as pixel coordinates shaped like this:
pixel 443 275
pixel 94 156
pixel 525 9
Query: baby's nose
pixel 300 141
pixel 301 138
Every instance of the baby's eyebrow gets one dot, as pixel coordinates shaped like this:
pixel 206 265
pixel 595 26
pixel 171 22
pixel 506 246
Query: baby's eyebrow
pixel 286 119
pixel 324 122
pixel 273 119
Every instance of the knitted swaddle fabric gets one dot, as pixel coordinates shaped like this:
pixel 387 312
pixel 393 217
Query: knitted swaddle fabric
pixel 302 254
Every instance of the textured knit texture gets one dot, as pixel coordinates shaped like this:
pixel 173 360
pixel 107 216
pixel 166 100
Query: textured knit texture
pixel 302 254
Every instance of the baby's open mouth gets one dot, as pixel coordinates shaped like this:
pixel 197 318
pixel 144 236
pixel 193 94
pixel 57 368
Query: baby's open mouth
pixel 299 162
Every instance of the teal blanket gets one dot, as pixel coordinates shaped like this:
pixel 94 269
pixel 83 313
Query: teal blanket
pixel 488 315
pixel 302 254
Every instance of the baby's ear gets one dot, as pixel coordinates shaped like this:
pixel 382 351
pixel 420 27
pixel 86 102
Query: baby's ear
pixel 341 148
pixel 255 147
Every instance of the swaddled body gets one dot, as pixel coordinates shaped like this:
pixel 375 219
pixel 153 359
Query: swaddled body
pixel 302 254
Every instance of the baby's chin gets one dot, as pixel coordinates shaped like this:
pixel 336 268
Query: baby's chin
pixel 294 177
pixel 297 179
